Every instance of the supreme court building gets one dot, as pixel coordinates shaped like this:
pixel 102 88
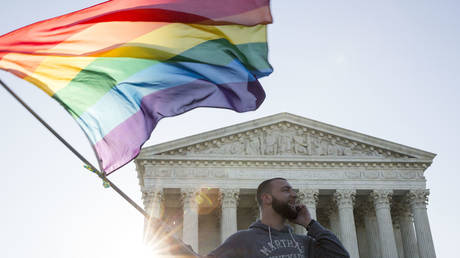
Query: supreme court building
pixel 370 192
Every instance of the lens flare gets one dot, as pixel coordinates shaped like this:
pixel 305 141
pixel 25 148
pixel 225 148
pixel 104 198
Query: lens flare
pixel 159 237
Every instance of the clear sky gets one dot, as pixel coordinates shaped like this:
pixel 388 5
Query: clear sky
pixel 390 69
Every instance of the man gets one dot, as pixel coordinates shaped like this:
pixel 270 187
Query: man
pixel 271 237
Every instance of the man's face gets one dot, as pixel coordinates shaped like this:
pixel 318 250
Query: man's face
pixel 283 199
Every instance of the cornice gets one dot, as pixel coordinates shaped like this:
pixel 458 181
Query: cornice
pixel 282 162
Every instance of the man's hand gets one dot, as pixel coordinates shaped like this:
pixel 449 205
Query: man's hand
pixel 303 216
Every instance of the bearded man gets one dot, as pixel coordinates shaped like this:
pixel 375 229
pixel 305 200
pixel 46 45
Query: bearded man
pixel 271 237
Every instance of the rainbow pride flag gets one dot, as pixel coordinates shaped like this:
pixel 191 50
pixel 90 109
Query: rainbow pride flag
pixel 120 66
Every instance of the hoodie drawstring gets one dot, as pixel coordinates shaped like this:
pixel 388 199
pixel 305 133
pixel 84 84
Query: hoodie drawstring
pixel 297 244
pixel 292 237
pixel 270 235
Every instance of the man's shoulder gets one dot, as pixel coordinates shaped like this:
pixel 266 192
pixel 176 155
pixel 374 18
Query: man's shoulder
pixel 245 233
pixel 235 245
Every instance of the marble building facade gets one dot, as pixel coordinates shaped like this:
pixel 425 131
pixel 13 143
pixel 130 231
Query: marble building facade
pixel 370 192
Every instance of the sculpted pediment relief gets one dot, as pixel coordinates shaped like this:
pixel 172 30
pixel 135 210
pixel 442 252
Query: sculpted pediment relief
pixel 285 135
pixel 284 139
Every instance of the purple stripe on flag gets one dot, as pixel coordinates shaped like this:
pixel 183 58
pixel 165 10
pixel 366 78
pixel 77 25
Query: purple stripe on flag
pixel 115 149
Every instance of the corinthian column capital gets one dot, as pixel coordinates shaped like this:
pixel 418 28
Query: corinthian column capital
pixel 155 196
pixel 309 197
pixel 418 198
pixel 189 197
pixel 344 198
pixel 229 197
pixel 381 198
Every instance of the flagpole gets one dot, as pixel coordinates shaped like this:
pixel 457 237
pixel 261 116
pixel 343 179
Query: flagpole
pixel 184 247
pixel 72 149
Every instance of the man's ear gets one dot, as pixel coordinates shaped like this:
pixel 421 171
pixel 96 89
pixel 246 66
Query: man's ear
pixel 266 198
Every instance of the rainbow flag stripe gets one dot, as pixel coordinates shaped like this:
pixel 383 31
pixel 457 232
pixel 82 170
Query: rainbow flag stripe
pixel 120 66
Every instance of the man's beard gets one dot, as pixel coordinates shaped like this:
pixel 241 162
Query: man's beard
pixel 284 209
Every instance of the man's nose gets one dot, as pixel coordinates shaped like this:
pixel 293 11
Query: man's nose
pixel 293 194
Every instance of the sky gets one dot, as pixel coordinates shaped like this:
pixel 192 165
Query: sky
pixel 389 69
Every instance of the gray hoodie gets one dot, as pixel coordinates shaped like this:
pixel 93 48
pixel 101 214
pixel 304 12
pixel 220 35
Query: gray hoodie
pixel 261 240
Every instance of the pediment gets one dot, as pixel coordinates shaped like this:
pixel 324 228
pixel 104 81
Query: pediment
pixel 285 134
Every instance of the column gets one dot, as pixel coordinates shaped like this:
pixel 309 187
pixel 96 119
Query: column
pixel 372 231
pixel 361 232
pixel 309 198
pixel 398 237
pixel 190 223
pixel 381 199
pixel 345 199
pixel 334 220
pixel 229 201
pixel 406 226
pixel 153 203
pixel 418 200
pixel 362 241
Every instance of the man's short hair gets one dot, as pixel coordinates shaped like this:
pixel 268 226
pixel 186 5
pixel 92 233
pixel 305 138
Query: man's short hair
pixel 265 187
